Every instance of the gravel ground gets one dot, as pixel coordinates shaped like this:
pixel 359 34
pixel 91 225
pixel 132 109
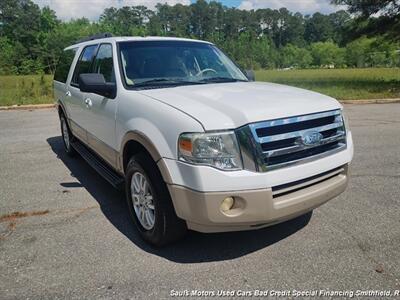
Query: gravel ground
pixel 71 237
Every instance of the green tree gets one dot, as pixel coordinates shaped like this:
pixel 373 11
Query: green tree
pixel 204 18
pixel 20 22
pixel 128 20
pixel 327 54
pixel 293 56
pixel 32 39
pixel 48 24
pixel 62 36
pixel 383 53
pixel 375 17
pixel 372 52
pixel 30 66
pixel 340 20
pixel 7 57
pixel 357 52
pixel 318 28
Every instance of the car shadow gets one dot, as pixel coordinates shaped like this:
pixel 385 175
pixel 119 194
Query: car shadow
pixel 196 247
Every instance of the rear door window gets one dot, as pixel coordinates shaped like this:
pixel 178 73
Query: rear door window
pixel 64 65
pixel 84 63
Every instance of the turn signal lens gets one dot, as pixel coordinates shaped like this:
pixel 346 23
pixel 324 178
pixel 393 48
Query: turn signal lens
pixel 185 145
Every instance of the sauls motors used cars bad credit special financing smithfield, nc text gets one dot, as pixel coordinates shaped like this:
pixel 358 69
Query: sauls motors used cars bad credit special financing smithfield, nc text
pixel 194 141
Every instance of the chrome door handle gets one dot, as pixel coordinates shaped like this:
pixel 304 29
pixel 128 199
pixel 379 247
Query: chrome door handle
pixel 88 102
pixel 68 94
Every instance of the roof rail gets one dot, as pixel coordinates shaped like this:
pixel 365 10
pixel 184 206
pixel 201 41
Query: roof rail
pixel 95 37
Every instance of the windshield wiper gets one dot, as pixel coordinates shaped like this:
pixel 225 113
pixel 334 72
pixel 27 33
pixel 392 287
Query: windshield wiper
pixel 221 79
pixel 165 81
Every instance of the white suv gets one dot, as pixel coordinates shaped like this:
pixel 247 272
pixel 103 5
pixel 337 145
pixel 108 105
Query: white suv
pixel 195 143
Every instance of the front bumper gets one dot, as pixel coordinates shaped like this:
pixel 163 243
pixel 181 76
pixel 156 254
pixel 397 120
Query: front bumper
pixel 253 208
pixel 197 191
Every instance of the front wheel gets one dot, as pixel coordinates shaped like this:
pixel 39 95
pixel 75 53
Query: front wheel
pixel 150 203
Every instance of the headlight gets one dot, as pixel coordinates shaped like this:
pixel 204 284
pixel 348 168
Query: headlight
pixel 219 150
pixel 345 121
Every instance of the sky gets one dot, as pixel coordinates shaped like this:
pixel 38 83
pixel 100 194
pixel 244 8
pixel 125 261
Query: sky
pixel 91 9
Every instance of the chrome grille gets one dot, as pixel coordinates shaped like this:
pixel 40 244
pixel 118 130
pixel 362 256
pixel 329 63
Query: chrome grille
pixel 281 142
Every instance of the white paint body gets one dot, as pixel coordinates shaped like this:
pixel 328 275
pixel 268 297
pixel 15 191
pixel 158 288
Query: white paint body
pixel 163 114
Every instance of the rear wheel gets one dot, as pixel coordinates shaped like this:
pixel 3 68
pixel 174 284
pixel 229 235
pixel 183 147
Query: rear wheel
pixel 66 136
pixel 150 203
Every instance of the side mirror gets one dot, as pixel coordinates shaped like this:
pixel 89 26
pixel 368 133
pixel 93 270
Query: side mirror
pixel 96 84
pixel 250 75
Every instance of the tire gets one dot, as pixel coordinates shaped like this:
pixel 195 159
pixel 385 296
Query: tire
pixel 151 207
pixel 67 136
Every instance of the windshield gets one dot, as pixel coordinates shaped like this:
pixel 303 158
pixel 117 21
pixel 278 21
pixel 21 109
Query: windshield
pixel 163 63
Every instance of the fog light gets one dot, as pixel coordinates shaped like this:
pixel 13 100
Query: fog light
pixel 227 204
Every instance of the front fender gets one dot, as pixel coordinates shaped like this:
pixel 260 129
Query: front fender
pixel 153 124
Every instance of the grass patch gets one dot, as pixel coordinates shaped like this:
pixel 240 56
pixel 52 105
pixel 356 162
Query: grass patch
pixel 372 83
pixel 26 89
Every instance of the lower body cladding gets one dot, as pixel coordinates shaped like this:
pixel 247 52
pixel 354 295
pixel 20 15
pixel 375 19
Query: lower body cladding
pixel 211 200
pixel 253 209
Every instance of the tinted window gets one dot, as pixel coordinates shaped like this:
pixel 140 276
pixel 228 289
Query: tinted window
pixel 64 65
pixel 175 61
pixel 103 63
pixel 84 63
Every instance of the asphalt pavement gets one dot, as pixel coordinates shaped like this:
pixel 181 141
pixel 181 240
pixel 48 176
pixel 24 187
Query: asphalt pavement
pixel 65 232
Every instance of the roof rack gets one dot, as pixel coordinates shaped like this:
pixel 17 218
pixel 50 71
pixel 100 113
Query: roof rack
pixel 95 37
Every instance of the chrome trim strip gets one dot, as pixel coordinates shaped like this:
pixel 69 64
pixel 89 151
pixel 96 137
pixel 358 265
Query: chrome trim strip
pixel 297 119
pixel 249 149
pixel 284 136
pixel 306 159
pixel 300 147
pixel 307 183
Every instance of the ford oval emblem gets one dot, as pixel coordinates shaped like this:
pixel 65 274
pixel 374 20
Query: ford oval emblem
pixel 311 138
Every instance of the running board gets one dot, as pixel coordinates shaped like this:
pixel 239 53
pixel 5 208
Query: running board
pixel 99 165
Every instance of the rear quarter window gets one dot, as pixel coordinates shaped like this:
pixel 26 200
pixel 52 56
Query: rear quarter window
pixel 64 65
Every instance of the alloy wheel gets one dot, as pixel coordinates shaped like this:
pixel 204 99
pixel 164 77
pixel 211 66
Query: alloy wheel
pixel 142 200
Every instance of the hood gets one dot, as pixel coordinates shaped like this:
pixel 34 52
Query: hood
pixel 231 105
